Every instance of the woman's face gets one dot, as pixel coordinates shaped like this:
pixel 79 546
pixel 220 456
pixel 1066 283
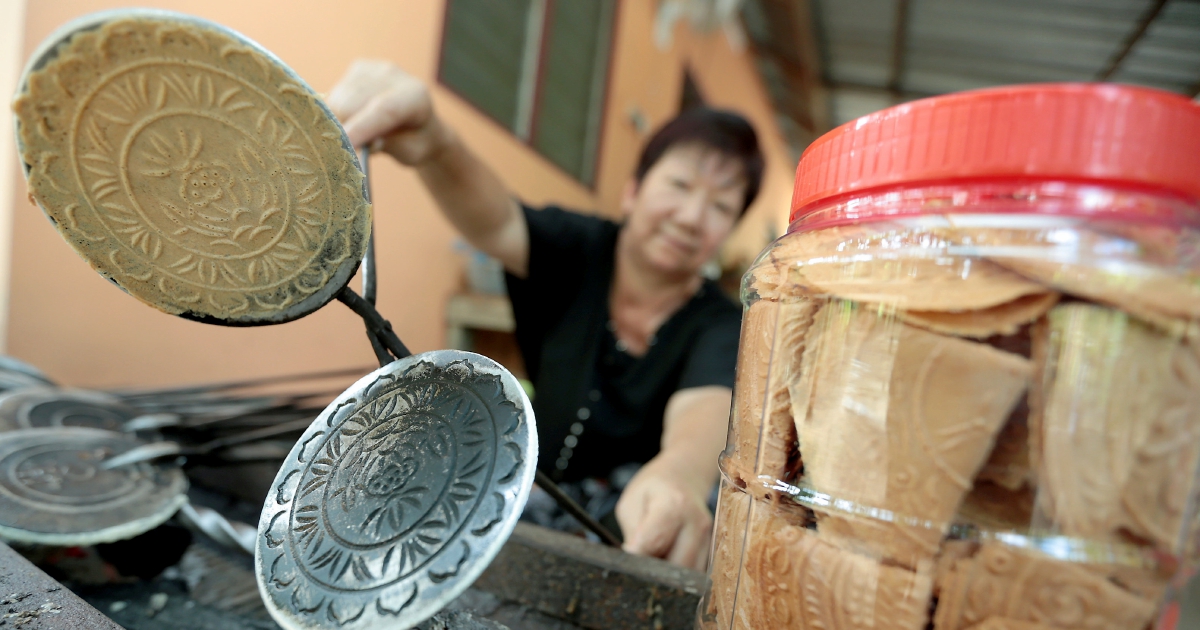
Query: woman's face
pixel 685 206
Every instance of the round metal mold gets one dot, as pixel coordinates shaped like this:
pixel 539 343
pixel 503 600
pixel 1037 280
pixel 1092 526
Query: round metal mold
pixel 54 492
pixel 13 380
pixel 398 496
pixel 191 167
pixel 47 407
pixel 17 373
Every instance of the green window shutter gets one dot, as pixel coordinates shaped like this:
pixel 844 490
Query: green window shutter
pixel 570 98
pixel 483 54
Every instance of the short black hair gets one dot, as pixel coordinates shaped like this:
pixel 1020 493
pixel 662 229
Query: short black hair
pixel 725 131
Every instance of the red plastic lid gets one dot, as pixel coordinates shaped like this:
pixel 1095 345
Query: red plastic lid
pixel 1097 132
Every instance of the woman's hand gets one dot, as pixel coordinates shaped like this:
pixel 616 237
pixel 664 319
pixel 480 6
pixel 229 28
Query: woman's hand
pixel 663 511
pixel 663 516
pixel 375 100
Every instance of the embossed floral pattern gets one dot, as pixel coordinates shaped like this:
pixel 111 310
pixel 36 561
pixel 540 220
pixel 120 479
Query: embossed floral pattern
pixel 383 502
pixel 194 171
pixel 54 491
pixel 206 183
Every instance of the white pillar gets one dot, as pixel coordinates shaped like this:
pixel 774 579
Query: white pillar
pixel 12 44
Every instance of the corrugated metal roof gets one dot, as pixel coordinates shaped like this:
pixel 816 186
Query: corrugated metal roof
pixel 876 53
pixel 1168 55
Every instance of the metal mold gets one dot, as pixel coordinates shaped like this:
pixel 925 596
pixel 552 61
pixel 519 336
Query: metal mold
pixel 53 490
pixel 45 407
pixel 398 496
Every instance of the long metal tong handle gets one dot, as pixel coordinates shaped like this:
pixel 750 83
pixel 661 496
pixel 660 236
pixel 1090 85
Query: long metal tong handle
pixel 213 524
pixel 379 327
pixel 155 450
pixel 384 341
pixel 574 509
pixel 368 263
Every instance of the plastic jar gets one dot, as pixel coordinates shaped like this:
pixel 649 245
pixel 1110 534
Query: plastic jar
pixel 968 390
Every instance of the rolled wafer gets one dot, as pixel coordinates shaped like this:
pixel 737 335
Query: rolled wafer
pixel 1002 319
pixel 901 269
pixel 894 422
pixel 1158 500
pixel 749 391
pixel 778 458
pixel 762 435
pixel 1138 271
pixel 794 578
pixel 1002 582
pixel 1001 623
pixel 1115 435
pixel 1008 465
pixel 733 508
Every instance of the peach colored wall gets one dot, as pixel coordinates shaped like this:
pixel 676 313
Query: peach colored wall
pixel 85 332
pixel 651 81
pixel 12 35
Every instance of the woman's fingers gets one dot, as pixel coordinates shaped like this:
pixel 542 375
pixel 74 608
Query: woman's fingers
pixel 691 545
pixel 375 100
pixel 356 87
pixel 657 530
pixel 375 119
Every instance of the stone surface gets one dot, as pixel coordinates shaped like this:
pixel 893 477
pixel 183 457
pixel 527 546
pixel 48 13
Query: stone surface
pixel 32 600
pixel 591 586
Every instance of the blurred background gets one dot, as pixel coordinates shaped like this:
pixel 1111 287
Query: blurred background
pixel 557 95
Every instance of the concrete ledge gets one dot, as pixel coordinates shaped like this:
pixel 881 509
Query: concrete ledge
pixel 32 600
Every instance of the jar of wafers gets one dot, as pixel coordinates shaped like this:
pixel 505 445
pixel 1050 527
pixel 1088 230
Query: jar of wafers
pixel 968 389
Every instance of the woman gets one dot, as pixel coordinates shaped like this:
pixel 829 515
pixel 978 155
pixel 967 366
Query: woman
pixel 631 350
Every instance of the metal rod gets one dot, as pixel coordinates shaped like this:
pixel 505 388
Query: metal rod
pixel 266 416
pixel 574 509
pixel 254 382
pixel 213 524
pixel 375 322
pixel 1127 47
pixel 155 450
pixel 251 436
pixel 381 353
pixel 899 48
pixel 368 263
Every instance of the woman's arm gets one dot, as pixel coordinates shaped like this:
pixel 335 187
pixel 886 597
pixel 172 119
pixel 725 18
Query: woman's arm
pixel 380 103
pixel 663 511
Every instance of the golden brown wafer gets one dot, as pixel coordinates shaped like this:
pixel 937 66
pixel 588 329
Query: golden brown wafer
pixel 194 170
pixel 1000 581
pixel 759 323
pixel 733 508
pixel 1001 623
pixel 896 419
pixel 761 447
pixel 897 269
pixel 1113 425
pixel 1002 319
pixel 794 578
pixel 1141 276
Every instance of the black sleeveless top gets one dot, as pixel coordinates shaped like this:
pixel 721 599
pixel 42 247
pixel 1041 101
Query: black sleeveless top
pixel 597 406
